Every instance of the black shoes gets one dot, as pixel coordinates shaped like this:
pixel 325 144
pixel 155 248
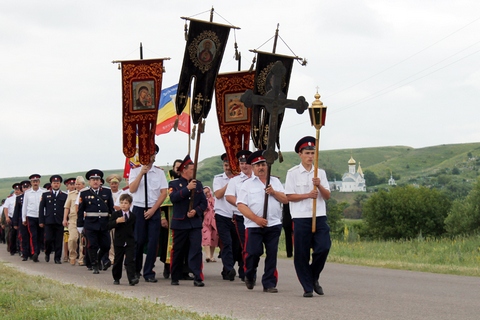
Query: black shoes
pixel 107 265
pixel 270 290
pixel 24 258
pixel 308 294
pixel 95 270
pixel 116 282
pixel 35 258
pixel 152 280
pixel 166 271
pixel 47 257
pixel 198 283
pixel 186 276
pixel 250 284
pixel 231 274
pixel 134 282
pixel 317 288
pixel 174 283
pixel 58 261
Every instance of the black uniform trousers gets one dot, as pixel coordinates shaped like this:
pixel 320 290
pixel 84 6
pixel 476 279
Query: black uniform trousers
pixel 25 240
pixel 238 246
pixel 36 235
pixel 255 239
pixel 227 233
pixel 308 273
pixel 121 252
pixel 180 238
pixel 98 243
pixel 147 233
pixel 12 238
pixel 54 240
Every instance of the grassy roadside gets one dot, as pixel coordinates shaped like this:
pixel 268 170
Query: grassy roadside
pixel 33 297
pixel 459 256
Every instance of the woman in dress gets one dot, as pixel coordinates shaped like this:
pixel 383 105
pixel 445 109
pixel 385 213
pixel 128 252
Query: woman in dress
pixel 209 231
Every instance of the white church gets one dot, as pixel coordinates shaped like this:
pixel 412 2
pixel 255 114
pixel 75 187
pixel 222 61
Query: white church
pixel 352 181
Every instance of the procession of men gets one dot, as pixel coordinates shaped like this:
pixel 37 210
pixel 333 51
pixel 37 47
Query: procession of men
pixel 34 219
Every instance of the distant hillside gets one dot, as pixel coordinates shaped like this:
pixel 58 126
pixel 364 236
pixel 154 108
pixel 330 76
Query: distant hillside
pixel 424 166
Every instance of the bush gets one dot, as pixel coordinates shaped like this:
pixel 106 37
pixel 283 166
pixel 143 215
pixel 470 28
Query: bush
pixel 405 212
pixel 464 217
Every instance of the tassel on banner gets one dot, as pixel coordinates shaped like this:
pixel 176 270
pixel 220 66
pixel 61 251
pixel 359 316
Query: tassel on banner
pixel 175 125
pixel 280 156
pixel 253 64
pixel 186 31
pixel 193 132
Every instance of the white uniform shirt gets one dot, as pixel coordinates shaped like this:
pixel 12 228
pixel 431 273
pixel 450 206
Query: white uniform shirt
pixel 299 181
pixel 222 207
pixel 252 194
pixel 156 181
pixel 31 202
pixel 234 187
pixel 10 205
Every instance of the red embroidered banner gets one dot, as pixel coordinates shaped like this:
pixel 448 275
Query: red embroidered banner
pixel 234 118
pixel 141 86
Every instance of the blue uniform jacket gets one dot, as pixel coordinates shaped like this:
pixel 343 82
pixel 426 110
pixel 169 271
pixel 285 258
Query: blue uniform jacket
pixel 180 198
pixel 51 208
pixel 90 202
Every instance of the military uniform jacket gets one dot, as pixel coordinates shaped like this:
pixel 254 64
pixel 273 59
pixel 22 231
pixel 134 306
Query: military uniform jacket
pixel 51 207
pixel 180 197
pixel 91 202
pixel 124 232
pixel 17 211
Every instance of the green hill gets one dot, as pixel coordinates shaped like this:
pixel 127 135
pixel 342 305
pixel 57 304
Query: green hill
pixel 436 166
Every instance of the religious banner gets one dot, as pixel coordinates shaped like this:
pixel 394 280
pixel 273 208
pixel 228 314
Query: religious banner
pixel 141 87
pixel 234 118
pixel 260 115
pixel 203 55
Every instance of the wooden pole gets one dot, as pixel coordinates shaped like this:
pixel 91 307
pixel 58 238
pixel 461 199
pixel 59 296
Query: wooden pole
pixel 201 127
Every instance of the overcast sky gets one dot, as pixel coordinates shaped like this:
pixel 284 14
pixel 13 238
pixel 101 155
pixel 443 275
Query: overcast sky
pixel 391 73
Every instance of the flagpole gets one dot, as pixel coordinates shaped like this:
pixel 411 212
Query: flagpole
pixel 145 177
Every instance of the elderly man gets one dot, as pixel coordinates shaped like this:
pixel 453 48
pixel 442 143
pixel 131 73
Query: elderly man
pixel 70 221
pixel 96 205
pixel 261 231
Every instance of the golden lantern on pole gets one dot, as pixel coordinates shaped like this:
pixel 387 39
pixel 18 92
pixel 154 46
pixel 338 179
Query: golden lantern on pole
pixel 318 113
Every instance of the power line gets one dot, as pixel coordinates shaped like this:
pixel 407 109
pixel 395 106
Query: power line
pixel 400 62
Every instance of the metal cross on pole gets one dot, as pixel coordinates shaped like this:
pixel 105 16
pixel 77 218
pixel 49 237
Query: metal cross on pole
pixel 275 102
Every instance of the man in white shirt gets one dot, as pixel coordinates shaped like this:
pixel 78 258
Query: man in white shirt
pixel 223 219
pixel 147 223
pixel 8 208
pixel 31 202
pixel 301 187
pixel 260 231
pixel 231 196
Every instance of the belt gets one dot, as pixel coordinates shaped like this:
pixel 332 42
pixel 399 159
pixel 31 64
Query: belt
pixel 96 214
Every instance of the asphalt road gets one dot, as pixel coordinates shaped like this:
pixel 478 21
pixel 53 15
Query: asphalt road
pixel 351 292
